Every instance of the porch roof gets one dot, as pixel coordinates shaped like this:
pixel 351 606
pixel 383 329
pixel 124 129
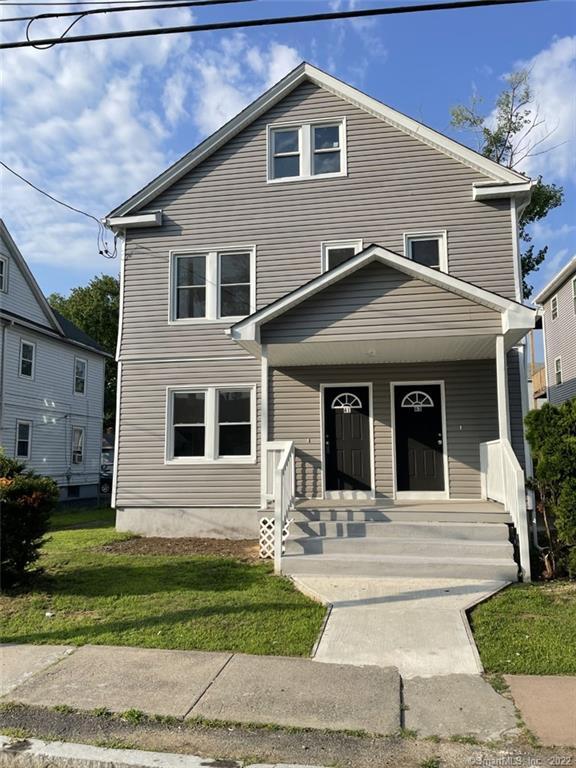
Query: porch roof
pixel 382 307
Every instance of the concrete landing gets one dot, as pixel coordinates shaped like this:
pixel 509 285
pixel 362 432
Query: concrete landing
pixel 416 625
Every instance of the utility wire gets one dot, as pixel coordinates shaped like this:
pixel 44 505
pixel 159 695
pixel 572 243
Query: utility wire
pixel 103 248
pixel 266 22
pixel 91 12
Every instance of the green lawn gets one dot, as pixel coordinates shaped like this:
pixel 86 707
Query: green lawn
pixel 528 629
pixel 185 602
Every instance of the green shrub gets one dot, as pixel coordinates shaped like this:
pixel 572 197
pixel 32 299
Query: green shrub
pixel 26 500
pixel 551 432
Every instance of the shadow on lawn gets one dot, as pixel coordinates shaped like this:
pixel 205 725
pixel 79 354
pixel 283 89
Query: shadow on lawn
pixel 160 629
pixel 149 577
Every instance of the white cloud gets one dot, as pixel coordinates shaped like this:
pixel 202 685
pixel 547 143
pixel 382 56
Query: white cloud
pixel 553 81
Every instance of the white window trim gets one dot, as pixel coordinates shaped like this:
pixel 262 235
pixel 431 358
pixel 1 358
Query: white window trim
pixel 574 293
pixel 33 374
pixel 29 454
pixel 440 234
pixel 80 360
pixel 4 288
pixel 72 462
pixel 558 370
pixel 326 245
pixel 212 285
pixel 306 151
pixel 554 313
pixel 211 425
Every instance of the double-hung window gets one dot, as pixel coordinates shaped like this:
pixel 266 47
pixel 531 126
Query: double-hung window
pixel 23 439
pixel 554 307
pixel 428 249
pixel 338 251
pixel 80 367
pixel 27 359
pixel 211 424
pixel 3 274
pixel 216 285
pixel 558 371
pixel 78 434
pixel 307 151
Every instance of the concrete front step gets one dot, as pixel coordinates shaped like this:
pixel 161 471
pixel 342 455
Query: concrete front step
pixel 401 515
pixel 400 530
pixel 409 547
pixel 393 565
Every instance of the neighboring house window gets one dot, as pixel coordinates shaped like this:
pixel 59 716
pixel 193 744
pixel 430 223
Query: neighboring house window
pixel 211 424
pixel 338 251
pixel 428 249
pixel 307 151
pixel 213 286
pixel 27 359
pixel 3 274
pixel 558 370
pixel 554 307
pixel 77 445
pixel 79 376
pixel 574 294
pixel 23 439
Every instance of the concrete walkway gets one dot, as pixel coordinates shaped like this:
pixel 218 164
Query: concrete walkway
pixel 418 626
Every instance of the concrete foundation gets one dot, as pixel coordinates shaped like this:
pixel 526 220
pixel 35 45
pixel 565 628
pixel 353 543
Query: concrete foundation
pixel 179 522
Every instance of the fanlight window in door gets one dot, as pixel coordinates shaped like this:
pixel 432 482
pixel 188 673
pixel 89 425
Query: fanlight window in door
pixel 417 400
pixel 346 402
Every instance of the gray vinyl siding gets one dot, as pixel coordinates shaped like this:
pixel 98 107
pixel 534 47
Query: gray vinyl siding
pixel 144 479
pixel 560 341
pixel 19 297
pixel 395 184
pixel 471 417
pixel 48 401
pixel 377 302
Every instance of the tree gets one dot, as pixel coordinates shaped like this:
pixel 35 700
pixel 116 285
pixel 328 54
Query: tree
pixel 507 137
pixel 95 309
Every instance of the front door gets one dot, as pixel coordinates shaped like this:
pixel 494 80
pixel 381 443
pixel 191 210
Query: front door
pixel 347 438
pixel 419 438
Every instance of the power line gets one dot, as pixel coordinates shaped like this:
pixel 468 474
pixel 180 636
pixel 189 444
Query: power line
pixel 81 14
pixel 266 22
pixel 102 243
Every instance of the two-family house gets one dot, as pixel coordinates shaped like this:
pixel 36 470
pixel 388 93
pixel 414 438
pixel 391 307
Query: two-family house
pixel 51 383
pixel 321 310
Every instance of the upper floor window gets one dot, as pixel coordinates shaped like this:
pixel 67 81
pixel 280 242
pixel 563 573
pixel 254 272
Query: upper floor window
pixel 554 307
pixel 80 366
pixel 23 439
pixel 77 445
pixel 306 151
pixel 428 249
pixel 215 285
pixel 27 359
pixel 574 294
pixel 211 424
pixel 3 274
pixel 558 370
pixel 338 251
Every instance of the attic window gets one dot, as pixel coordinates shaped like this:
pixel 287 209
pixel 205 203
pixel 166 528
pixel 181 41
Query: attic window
pixel 307 151
pixel 3 274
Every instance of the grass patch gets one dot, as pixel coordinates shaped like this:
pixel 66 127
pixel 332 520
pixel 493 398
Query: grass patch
pixel 156 601
pixel 528 629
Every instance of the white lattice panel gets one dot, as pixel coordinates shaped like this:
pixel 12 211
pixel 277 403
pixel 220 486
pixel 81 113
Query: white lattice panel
pixel 267 525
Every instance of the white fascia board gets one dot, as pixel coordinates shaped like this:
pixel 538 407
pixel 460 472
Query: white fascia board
pixel 246 329
pixel 149 219
pixel 557 281
pixel 273 95
pixel 518 317
pixel 491 191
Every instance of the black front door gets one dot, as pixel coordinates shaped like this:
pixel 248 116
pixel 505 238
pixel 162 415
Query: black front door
pixel 419 440
pixel 347 438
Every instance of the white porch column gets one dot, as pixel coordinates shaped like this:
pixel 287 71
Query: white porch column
pixel 502 390
pixel 263 426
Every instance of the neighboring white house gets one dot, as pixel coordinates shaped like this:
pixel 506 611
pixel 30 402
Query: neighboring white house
pixel 558 300
pixel 51 383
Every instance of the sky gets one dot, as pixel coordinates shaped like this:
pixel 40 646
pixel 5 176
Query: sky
pixel 91 123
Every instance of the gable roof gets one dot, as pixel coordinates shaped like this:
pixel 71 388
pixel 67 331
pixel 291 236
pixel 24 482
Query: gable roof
pixel 305 72
pixel 514 315
pixel 60 325
pixel 557 281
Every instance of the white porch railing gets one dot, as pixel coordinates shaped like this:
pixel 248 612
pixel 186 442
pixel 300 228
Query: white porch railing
pixel 503 481
pixel 280 488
